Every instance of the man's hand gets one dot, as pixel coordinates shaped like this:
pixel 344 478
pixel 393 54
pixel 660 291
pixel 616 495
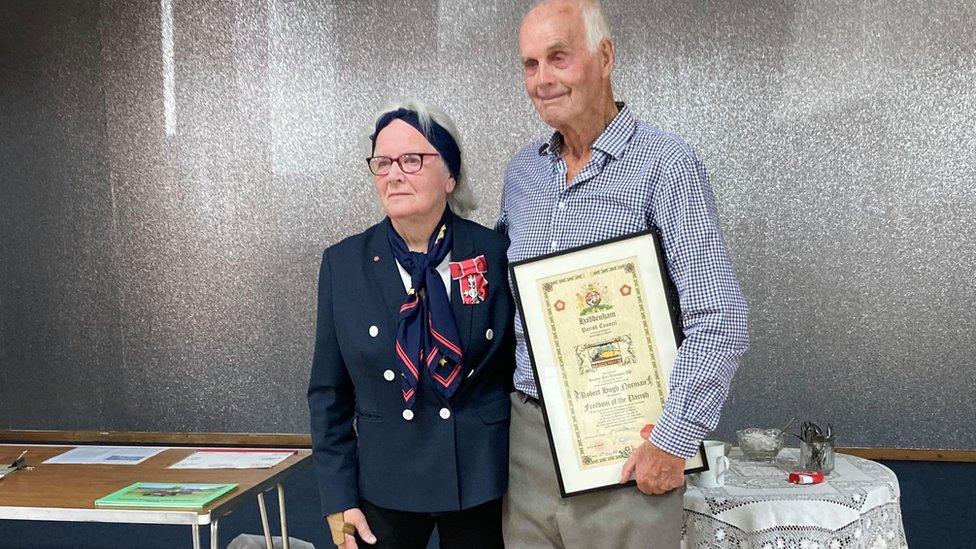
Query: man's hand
pixel 355 517
pixel 655 470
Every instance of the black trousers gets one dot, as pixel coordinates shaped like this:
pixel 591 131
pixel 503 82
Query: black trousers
pixel 479 527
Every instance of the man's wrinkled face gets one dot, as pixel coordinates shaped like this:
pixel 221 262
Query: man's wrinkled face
pixel 562 77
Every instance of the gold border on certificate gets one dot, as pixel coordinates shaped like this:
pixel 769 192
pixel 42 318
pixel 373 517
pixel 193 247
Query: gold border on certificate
pixel 600 326
pixel 610 377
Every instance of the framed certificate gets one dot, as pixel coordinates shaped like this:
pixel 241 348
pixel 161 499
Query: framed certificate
pixel 602 327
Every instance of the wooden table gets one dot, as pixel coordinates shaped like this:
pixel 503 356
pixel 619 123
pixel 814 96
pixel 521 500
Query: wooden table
pixel 68 492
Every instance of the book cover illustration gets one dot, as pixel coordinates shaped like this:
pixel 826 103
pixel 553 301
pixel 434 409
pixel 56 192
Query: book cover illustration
pixel 165 494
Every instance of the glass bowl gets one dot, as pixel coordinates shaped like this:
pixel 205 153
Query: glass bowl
pixel 760 444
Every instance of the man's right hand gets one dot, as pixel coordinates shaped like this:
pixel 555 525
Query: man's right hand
pixel 356 517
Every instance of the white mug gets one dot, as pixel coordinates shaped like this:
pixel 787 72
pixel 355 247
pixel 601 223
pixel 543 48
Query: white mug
pixel 718 465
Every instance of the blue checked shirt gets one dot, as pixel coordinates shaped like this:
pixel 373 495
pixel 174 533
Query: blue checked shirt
pixel 639 177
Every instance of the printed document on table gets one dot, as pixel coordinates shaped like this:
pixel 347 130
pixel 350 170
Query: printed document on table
pixel 105 455
pixel 233 459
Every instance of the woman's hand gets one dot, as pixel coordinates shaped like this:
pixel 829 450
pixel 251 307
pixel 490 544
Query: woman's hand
pixel 355 517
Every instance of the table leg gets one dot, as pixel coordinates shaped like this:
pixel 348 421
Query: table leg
pixel 196 535
pixel 284 520
pixel 213 533
pixel 264 521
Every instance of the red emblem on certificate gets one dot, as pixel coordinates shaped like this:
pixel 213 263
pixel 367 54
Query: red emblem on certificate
pixel 470 274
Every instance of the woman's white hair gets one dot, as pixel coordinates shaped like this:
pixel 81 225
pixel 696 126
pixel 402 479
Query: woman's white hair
pixel 461 200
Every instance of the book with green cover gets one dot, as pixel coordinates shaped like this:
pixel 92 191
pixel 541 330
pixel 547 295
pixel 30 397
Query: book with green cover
pixel 165 494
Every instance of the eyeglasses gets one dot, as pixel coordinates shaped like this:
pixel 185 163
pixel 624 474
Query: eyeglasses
pixel 408 162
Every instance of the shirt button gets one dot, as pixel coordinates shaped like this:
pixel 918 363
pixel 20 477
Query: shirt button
pixel 373 331
pixel 562 204
pixel 553 244
pixel 389 375
pixel 445 413
pixel 489 334
pixel 408 414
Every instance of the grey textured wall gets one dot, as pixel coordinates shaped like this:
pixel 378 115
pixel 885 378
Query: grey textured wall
pixel 170 172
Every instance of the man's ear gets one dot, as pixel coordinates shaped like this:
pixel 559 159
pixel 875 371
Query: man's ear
pixel 608 56
pixel 451 184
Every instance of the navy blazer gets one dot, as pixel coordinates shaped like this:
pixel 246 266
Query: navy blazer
pixel 452 454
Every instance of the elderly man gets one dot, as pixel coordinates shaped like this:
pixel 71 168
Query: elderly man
pixel 604 173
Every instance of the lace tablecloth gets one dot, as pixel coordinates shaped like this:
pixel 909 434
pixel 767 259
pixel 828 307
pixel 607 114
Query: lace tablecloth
pixel 857 506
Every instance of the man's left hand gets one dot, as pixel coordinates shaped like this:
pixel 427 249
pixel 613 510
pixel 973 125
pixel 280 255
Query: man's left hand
pixel 655 470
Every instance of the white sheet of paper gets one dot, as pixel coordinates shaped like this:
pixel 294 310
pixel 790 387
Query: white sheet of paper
pixel 106 455
pixel 225 459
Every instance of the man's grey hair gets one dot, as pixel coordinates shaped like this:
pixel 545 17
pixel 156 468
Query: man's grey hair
pixel 594 22
pixel 461 200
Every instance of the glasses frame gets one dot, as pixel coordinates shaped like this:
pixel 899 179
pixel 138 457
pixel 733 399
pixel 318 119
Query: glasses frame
pixel 369 162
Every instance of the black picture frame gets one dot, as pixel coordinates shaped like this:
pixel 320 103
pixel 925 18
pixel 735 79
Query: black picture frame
pixel 699 462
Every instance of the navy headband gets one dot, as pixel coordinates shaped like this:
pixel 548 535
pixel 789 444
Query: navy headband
pixel 437 136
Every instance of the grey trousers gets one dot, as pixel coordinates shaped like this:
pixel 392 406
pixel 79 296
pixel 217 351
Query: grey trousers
pixel 534 515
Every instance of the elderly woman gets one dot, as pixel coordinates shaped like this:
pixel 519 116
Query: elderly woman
pixel 414 354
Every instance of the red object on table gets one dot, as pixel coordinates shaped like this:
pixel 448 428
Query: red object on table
pixel 806 477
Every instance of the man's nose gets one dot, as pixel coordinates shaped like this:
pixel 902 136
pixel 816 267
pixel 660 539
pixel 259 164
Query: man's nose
pixel 543 75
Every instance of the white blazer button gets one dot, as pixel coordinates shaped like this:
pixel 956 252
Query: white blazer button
pixel 373 331
pixel 389 375
pixel 489 334
pixel 408 414
pixel 445 413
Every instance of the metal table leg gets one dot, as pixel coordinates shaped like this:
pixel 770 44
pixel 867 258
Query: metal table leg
pixel 213 533
pixel 196 535
pixel 264 521
pixel 284 520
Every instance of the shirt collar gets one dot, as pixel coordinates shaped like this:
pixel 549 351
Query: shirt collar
pixel 612 141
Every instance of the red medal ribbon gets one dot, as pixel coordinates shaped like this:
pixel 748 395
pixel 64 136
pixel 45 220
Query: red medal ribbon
pixel 470 274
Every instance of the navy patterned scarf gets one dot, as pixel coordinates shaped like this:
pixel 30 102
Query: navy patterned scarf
pixel 426 331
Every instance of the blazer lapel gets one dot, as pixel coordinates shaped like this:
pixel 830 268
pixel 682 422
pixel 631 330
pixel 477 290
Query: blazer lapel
pixel 386 275
pixel 462 248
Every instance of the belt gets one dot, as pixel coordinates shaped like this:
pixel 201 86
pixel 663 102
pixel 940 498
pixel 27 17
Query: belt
pixel 527 397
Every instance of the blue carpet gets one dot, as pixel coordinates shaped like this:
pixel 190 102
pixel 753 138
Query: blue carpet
pixel 938 503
